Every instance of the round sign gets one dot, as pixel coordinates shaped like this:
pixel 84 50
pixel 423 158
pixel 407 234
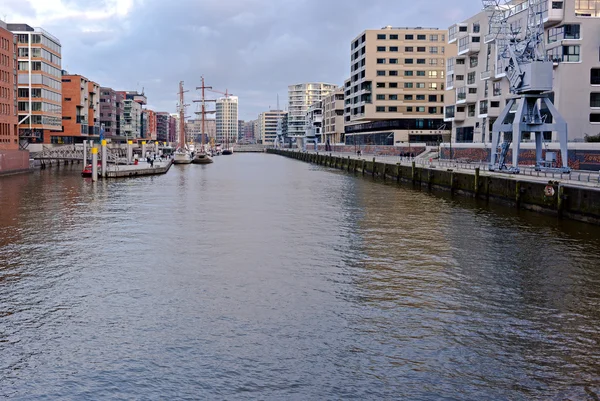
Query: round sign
pixel 549 190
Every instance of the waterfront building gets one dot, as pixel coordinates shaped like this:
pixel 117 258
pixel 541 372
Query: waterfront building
pixel 150 120
pixel 333 117
pixel 75 109
pixel 314 123
pixel 267 123
pixel 173 128
pixel 9 138
pixel 249 131
pixel 131 127
pixel 282 130
pixel 227 119
pixel 162 126
pixel 256 130
pixel 111 112
pixel 396 90
pixel 300 98
pixel 39 96
pixel 240 135
pixel 480 90
pixel 93 108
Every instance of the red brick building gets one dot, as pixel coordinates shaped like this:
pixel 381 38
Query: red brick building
pixel 11 158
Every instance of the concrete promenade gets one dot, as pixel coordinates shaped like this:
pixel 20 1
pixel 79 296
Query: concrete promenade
pixel 576 177
pixel 569 196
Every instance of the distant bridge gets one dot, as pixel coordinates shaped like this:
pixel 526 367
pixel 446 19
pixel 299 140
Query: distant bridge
pixel 250 148
pixel 75 152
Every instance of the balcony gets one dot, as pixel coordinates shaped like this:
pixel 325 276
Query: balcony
pixel 469 48
pixel 553 16
pixel 493 112
pixel 471 97
pixel 460 116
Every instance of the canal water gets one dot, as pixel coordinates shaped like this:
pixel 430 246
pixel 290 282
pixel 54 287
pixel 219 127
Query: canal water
pixel 261 277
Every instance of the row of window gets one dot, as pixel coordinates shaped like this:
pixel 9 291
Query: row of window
pixel 409 109
pixel 40 66
pixel 36 39
pixel 40 93
pixel 44 120
pixel 39 53
pixel 40 106
pixel 430 98
pixel 6 44
pixel 5 76
pixel 5 109
pixel 393 36
pixel 5 60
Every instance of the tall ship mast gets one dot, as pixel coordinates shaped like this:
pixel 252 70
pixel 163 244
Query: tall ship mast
pixel 182 154
pixel 202 156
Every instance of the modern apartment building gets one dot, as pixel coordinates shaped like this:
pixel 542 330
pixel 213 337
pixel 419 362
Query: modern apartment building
pixel 249 131
pixel 333 117
pixel 93 108
pixel 240 135
pixel 111 112
pixel 9 138
pixel 300 98
pixel 150 119
pixel 75 110
pixel 39 97
pixel 267 123
pixel 314 123
pixel 480 89
pixel 174 128
pixel 227 119
pixel 131 127
pixel 162 126
pixel 397 86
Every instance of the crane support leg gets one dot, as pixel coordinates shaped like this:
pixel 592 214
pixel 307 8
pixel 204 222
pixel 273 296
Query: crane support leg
pixel 496 130
pixel 517 135
pixel 560 126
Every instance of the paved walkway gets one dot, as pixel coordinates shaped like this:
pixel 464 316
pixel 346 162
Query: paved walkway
pixel 575 178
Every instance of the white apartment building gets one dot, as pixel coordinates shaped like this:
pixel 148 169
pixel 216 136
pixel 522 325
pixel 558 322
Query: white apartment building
pixel 267 122
pixel 314 123
pixel 300 98
pixel 477 86
pixel 132 119
pixel 227 119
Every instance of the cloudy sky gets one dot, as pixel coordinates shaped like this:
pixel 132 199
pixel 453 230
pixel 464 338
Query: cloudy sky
pixel 253 48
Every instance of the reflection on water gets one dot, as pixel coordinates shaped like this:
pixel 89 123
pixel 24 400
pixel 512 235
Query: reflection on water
pixel 263 277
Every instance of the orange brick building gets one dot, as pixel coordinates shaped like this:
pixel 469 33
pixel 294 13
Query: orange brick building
pixel 150 133
pixel 75 109
pixel 9 139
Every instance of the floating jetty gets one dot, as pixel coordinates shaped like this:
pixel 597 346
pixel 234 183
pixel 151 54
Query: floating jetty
pixel 143 168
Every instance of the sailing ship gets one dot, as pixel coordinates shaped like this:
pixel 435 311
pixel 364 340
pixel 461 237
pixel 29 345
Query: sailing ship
pixel 183 154
pixel 202 156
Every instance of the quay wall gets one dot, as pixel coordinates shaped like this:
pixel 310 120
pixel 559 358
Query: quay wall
pixel 572 202
pixel 381 150
pixel 14 161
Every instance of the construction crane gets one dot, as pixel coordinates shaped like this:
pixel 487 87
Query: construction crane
pixel 530 72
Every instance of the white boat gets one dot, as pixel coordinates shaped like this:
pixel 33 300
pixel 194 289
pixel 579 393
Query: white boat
pixel 182 156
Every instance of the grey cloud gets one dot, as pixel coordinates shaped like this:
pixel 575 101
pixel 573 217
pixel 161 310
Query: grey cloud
pixel 254 48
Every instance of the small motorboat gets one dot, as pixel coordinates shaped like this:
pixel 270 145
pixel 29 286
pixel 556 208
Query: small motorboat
pixel 87 170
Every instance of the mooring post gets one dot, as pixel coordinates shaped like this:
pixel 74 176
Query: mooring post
pixel 373 169
pixel 129 151
pixel 414 170
pixel 84 153
pixel 104 157
pixel 476 182
pixel 94 164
